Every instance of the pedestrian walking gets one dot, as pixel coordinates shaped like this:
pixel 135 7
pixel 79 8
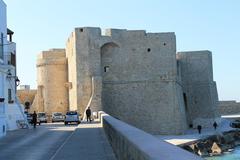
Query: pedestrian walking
pixel 34 119
pixel 199 127
pixel 215 125
pixel 88 113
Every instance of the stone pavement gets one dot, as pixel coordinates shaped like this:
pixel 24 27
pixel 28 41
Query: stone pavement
pixel 34 144
pixel 192 134
pixel 57 142
pixel 88 142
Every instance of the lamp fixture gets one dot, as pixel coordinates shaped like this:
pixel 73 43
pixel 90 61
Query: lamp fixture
pixel 10 76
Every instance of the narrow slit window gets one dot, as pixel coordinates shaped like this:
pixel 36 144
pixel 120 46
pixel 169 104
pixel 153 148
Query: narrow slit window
pixel 106 68
pixel 9 96
pixel 1 46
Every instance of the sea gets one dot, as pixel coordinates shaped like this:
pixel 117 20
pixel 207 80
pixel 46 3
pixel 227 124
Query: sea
pixel 234 155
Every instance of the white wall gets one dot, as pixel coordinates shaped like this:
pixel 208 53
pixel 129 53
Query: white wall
pixel 3 22
pixel 3 29
pixel 9 112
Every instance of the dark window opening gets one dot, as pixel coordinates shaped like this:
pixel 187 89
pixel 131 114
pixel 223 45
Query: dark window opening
pixel 1 46
pixel 10 96
pixel 164 44
pixel 178 68
pixel 149 49
pixel 106 68
pixel 185 101
pixel 27 105
pixel 13 59
pixel 81 29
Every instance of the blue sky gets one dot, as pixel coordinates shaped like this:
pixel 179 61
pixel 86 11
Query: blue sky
pixel 198 24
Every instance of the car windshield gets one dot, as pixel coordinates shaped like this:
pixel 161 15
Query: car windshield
pixel 57 114
pixel 71 113
pixel 41 114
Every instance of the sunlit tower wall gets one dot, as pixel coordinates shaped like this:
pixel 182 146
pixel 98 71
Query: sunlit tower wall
pixel 52 81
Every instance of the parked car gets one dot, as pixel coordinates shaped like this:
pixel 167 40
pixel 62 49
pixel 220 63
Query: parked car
pixel 72 116
pixel 30 118
pixel 57 117
pixel 42 117
pixel 235 124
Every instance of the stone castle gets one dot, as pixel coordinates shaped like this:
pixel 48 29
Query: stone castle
pixel 135 76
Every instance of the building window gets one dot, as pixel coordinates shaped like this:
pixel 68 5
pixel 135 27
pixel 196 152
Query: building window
pixel 10 96
pixel 4 128
pixel 13 59
pixel 106 68
pixel 1 46
pixel 185 101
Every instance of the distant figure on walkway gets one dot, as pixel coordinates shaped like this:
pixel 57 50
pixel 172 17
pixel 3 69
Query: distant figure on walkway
pixel 199 127
pixel 34 119
pixel 88 113
pixel 215 125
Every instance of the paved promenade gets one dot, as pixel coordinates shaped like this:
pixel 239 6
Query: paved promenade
pixel 88 142
pixel 192 134
pixel 57 142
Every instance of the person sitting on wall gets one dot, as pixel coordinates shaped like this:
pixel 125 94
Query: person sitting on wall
pixel 88 113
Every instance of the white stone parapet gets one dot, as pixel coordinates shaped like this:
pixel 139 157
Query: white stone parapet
pixel 129 142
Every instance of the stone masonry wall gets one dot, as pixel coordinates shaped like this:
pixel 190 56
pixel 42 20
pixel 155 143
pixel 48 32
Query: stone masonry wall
pixel 130 143
pixel 136 77
pixel 139 75
pixel 199 88
pixel 27 96
pixel 72 72
pixel 140 86
pixel 52 80
pixel 228 107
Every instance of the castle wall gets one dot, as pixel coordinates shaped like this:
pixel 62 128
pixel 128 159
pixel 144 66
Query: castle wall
pixel 199 87
pixel 140 85
pixel 139 77
pixel 229 107
pixel 52 81
pixel 72 72
pixel 84 47
pixel 27 95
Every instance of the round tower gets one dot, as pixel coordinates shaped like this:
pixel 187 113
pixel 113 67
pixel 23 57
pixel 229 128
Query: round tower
pixel 52 81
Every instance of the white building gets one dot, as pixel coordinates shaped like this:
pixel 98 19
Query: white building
pixel 3 34
pixel 10 111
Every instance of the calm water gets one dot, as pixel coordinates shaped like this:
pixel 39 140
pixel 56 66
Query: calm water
pixel 235 155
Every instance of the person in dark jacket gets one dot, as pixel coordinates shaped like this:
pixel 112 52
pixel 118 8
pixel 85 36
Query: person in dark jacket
pixel 88 113
pixel 215 125
pixel 34 119
pixel 199 127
